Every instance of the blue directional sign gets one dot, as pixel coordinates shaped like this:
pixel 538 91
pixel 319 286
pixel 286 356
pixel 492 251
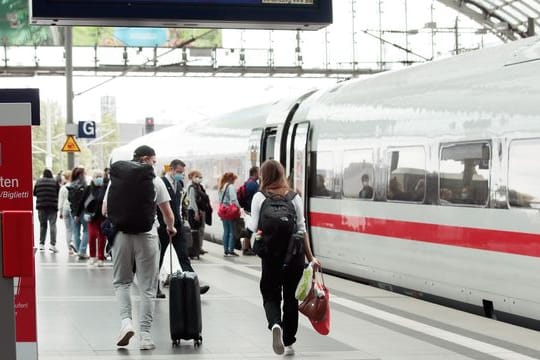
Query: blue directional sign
pixel 87 130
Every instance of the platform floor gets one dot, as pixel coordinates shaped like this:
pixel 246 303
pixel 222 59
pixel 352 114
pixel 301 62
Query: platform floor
pixel 78 319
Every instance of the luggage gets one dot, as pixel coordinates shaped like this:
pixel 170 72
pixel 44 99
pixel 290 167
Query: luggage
pixel 194 251
pixel 130 201
pixel 185 317
pixel 185 308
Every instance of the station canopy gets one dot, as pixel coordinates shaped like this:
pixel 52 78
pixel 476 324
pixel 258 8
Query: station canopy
pixel 508 19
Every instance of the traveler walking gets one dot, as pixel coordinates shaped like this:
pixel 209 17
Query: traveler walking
pixel 64 209
pixel 227 196
pixel 130 203
pixel 46 193
pixel 76 193
pixel 93 202
pixel 245 195
pixel 278 215
pixel 198 207
pixel 173 181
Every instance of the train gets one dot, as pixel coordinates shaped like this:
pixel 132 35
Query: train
pixel 423 181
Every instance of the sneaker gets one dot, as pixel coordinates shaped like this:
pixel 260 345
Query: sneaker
pixel 227 254
pixel 100 263
pixel 204 289
pixel 277 339
pixel 160 294
pixel 41 247
pixel 202 252
pixel 232 253
pixel 72 247
pixel 248 252
pixel 53 249
pixel 92 261
pixel 289 351
pixel 146 342
pixel 82 257
pixel 126 333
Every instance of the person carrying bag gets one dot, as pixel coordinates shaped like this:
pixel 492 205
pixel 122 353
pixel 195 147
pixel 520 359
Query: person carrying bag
pixel 277 218
pixel 228 211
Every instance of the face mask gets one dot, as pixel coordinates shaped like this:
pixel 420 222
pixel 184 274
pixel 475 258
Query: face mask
pixel 197 180
pixel 98 181
pixel 178 177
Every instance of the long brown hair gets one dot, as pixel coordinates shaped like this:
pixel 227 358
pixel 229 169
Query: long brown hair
pixel 273 177
pixel 226 178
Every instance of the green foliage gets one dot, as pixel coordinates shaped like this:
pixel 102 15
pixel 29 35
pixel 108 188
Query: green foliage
pixel 16 29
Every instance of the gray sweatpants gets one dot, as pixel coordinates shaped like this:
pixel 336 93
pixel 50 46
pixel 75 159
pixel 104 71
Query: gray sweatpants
pixel 143 251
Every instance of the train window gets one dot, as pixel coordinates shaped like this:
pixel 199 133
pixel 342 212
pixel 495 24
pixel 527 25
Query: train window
pixel 407 178
pixel 524 174
pixel 358 174
pixel 324 181
pixel 269 144
pixel 254 147
pixel 464 173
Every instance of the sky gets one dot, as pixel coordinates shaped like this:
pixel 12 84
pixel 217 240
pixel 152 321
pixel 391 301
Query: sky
pixel 176 100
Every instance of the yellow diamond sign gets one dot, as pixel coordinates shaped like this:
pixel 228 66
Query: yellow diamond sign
pixel 71 145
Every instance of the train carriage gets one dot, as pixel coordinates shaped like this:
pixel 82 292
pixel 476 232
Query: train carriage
pixel 449 151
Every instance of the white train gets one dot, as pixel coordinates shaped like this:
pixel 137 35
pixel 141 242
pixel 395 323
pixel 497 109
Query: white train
pixel 450 155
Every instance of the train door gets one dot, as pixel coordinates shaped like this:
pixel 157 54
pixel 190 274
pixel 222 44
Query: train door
pixel 298 159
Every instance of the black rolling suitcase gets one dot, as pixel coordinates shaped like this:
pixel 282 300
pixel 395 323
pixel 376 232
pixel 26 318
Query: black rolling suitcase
pixel 185 315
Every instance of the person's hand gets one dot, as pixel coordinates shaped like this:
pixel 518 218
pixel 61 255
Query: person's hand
pixel 76 219
pixel 61 216
pixel 171 231
pixel 197 216
pixel 316 264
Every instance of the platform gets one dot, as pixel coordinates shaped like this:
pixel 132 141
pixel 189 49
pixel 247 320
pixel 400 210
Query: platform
pixel 78 319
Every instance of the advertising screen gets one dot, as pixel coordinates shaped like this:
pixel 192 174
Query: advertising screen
pixel 237 14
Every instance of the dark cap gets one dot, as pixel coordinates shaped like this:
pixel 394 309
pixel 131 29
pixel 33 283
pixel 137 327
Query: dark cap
pixel 143 150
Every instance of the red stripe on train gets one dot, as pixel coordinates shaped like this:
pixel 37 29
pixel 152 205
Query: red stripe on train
pixel 484 239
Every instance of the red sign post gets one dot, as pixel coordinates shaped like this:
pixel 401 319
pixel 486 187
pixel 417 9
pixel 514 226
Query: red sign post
pixel 16 205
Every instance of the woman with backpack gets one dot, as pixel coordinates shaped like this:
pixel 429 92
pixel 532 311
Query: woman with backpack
pixel 76 193
pixel 275 196
pixel 227 197
pixel 94 217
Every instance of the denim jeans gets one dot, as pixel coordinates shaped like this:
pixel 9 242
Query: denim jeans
pixel 228 235
pixel 80 244
pixel 47 216
pixel 68 223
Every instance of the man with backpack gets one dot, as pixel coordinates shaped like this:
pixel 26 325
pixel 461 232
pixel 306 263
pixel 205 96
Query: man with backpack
pixel 245 195
pixel 130 203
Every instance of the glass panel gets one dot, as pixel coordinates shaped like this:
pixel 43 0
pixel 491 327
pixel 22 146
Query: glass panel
pixel 407 178
pixel 254 147
pixel 358 174
pixel 299 175
pixel 269 148
pixel 464 174
pixel 523 174
pixel 324 183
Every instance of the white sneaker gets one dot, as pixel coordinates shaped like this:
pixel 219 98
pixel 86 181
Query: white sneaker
pixel 92 261
pixel 277 339
pixel 289 351
pixel 146 342
pixel 126 333
pixel 100 263
pixel 41 247
pixel 53 249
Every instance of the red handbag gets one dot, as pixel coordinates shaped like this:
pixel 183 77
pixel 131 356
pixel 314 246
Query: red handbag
pixel 228 211
pixel 316 303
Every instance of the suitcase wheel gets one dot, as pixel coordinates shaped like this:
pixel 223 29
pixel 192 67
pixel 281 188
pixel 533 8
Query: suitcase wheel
pixel 176 343
pixel 197 342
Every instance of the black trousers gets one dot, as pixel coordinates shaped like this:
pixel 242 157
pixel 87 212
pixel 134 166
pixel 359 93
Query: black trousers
pixel 180 246
pixel 275 281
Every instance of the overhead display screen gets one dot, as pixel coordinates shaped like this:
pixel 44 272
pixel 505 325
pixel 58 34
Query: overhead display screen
pixel 235 14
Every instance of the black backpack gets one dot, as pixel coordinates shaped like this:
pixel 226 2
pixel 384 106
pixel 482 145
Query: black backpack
pixel 76 193
pixel 277 221
pixel 131 198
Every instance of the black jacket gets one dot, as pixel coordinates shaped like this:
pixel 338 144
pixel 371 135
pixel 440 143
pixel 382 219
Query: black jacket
pixel 46 193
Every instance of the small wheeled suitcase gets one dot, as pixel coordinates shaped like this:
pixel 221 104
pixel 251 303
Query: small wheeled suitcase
pixel 185 315
pixel 194 251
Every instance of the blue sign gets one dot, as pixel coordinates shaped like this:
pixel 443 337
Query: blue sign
pixel 87 130
pixel 142 37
